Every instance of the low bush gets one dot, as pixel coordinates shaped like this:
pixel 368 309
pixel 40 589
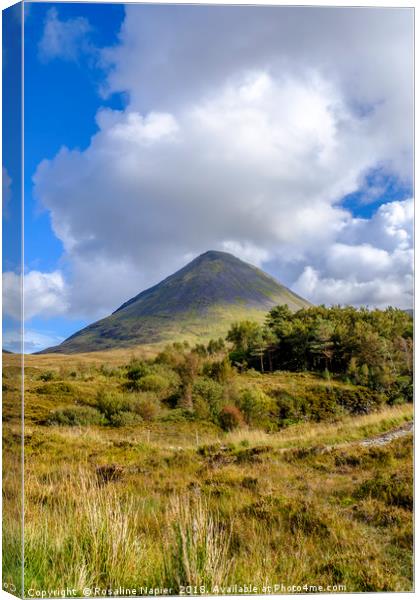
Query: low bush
pixel 359 400
pixel 124 419
pixel 231 418
pixel 291 409
pixel 75 416
pixel 47 376
pixel 321 403
pixel 120 409
pixel 153 383
pixel 220 371
pixel 172 355
pixel 402 391
pixel 112 403
pixel 379 514
pixel 394 489
pixel 207 396
pixel 108 371
pixel 55 388
pixel 178 415
pixel 258 408
pixel 137 369
pixel 146 406
pixel 303 517
pixel 152 377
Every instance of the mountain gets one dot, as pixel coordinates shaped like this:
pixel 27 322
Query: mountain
pixel 197 302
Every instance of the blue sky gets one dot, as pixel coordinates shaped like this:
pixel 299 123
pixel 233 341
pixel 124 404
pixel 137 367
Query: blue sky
pixel 154 133
pixel 12 230
pixel 64 116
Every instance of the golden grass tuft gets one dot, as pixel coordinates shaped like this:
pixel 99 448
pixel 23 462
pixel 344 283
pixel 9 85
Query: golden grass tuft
pixel 89 531
pixel 197 551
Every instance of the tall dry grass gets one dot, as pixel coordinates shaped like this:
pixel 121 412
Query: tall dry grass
pixel 82 532
pixel 182 517
pixel 346 429
pixel 197 549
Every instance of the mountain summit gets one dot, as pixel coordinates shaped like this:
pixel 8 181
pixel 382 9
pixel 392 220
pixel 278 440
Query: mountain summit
pixel 197 302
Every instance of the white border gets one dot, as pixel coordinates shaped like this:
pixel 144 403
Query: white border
pixel 326 3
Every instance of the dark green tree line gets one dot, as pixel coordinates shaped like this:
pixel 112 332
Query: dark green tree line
pixel 369 347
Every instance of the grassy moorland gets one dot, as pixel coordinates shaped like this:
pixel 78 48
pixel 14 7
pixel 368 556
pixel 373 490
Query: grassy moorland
pixel 167 467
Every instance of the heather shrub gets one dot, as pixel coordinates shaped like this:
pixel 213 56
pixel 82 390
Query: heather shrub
pixel 394 489
pixel 146 406
pixel 291 409
pixel 359 400
pixel 323 403
pixel 231 418
pixel 303 517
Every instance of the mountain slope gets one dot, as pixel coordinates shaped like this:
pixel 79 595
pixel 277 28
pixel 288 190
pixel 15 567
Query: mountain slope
pixel 197 302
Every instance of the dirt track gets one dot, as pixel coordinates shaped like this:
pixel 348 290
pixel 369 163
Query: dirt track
pixel 385 438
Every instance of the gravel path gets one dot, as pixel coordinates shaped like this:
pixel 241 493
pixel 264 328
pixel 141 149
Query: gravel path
pixel 385 438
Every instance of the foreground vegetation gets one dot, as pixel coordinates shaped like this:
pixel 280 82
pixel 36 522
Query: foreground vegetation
pixel 184 466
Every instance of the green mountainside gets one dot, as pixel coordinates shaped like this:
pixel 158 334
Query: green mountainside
pixel 198 302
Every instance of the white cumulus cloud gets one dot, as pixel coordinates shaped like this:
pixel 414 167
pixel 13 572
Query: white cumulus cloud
pixel 44 294
pixel 243 137
pixel 374 267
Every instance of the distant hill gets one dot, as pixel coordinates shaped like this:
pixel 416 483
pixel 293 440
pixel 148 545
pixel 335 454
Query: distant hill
pixel 197 302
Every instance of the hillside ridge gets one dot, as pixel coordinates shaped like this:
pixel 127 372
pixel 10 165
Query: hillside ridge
pixel 197 302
